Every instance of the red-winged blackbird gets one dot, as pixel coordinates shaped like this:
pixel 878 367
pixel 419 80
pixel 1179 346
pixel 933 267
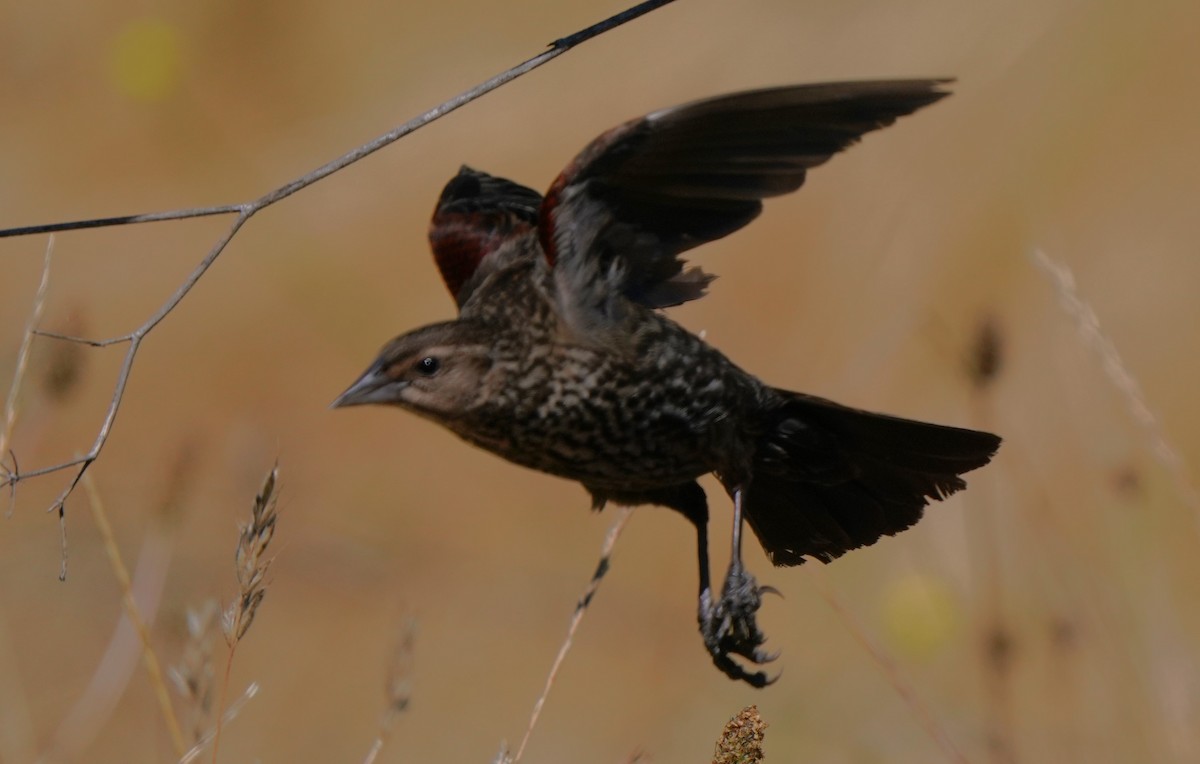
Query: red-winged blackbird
pixel 561 361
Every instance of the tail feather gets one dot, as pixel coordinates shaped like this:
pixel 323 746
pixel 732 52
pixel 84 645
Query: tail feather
pixel 829 478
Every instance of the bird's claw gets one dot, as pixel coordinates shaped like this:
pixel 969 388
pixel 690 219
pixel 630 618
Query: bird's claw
pixel 729 628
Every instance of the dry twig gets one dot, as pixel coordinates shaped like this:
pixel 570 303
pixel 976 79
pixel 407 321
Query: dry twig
pixel 244 211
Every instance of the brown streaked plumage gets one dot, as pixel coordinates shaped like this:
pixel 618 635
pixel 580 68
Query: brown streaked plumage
pixel 561 361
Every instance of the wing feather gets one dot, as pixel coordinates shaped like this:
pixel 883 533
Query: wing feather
pixel 615 221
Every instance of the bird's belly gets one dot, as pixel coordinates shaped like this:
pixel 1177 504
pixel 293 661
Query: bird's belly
pixel 613 431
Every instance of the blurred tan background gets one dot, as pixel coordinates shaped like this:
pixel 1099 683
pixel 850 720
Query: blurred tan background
pixel 1047 614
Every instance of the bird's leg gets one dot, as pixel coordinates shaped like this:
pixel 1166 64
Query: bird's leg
pixel 728 625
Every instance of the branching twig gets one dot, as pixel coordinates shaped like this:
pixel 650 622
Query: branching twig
pixel 244 212
pixel 610 541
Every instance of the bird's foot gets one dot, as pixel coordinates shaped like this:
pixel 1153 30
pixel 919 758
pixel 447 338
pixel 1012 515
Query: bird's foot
pixel 729 628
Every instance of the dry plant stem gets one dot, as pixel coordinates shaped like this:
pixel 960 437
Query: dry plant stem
pixel 996 639
pixel 235 708
pixel 216 737
pixel 95 704
pixel 889 669
pixel 1088 325
pixel 398 688
pixel 557 48
pixel 1101 608
pixel 377 746
pixel 610 542
pixel 247 210
pixel 995 630
pixel 153 667
pixel 148 217
pixel 385 730
pixel 10 405
pixel 193 675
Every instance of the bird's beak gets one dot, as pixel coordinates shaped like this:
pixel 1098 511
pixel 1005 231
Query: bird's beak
pixel 372 387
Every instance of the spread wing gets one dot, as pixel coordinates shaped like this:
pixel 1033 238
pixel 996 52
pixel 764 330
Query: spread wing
pixel 475 214
pixel 616 220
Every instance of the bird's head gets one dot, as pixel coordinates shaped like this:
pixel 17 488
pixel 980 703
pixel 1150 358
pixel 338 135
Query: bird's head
pixel 437 371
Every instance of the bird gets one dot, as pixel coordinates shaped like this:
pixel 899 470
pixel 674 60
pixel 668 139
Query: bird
pixel 562 359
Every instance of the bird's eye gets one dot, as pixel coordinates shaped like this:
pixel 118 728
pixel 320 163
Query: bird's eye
pixel 428 365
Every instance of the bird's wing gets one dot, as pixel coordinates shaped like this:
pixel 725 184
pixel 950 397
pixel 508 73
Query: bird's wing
pixel 475 214
pixel 615 221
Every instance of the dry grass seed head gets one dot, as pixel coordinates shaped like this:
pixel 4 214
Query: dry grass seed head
pixel 251 562
pixel 194 675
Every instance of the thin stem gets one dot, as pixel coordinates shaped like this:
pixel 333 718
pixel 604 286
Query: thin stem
pixel 234 709
pixel 994 627
pixel 216 737
pixel 595 30
pixel 134 614
pixel 1088 325
pixel 81 340
pixel 149 217
pixel 10 405
pixel 610 542
pixel 557 48
pixel 398 689
pixel 247 210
